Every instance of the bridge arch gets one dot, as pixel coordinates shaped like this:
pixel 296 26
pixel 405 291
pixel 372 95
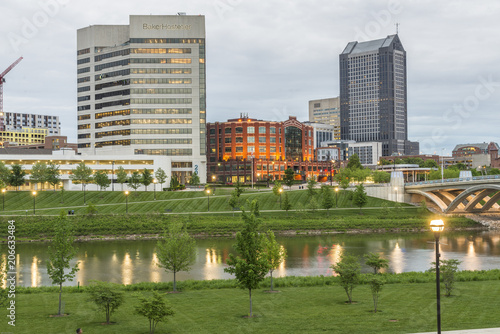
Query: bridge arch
pixel 485 190
pixel 431 196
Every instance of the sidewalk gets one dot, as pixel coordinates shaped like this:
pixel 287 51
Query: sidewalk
pixel 470 331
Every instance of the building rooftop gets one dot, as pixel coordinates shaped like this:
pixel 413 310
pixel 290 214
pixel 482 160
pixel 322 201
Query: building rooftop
pixel 355 47
pixel 481 146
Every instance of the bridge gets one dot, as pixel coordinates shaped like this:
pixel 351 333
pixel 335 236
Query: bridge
pixel 466 194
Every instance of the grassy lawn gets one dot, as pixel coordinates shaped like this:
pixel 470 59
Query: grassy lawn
pixel 405 308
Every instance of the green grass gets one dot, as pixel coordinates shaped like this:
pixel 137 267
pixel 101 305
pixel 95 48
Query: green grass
pixel 405 308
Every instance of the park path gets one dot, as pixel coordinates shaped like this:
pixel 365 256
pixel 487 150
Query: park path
pixel 470 331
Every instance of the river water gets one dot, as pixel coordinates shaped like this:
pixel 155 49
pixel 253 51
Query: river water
pixel 127 262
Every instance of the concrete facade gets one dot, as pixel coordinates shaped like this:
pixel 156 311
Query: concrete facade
pixel 326 111
pixel 17 121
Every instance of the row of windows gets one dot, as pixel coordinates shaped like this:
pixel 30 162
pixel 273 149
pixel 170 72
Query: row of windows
pixel 112 123
pixel 112 103
pixel 160 61
pixel 83 61
pixel 161 101
pixel 83 136
pixel 158 50
pixel 84 98
pixel 250 129
pixel 83 70
pixel 112 133
pixel 160 71
pixel 182 164
pixel 80 108
pixel 123 142
pixel 161 131
pixel 168 40
pixel 163 121
pixel 82 52
pixel 161 80
pixel 112 64
pixel 168 151
pixel 162 111
pixel 112 54
pixel 162 91
pixel 85 145
pixel 178 141
pixel 115 93
pixel 82 80
pixel 112 113
pixel 83 117
pixel 83 126
pixel 124 82
pixel 111 74
pixel 83 89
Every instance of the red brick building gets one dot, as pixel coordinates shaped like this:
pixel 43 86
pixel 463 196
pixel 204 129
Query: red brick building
pixel 248 149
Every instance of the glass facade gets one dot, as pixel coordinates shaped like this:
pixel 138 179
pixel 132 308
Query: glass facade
pixel 293 143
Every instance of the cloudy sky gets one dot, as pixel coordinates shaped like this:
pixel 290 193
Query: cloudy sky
pixel 269 58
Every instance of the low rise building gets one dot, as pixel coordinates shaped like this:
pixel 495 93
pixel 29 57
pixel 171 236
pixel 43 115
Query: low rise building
pixel 17 121
pixel 25 136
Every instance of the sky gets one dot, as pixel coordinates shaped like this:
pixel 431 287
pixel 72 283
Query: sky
pixel 269 58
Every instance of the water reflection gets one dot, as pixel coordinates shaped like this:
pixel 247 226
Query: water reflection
pixel 128 262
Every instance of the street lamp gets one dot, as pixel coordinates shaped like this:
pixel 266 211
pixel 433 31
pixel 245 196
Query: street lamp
pixel 34 201
pixel 336 196
pixel 3 199
pixel 126 201
pixel 437 226
pixel 208 193
pixel 280 190
pixel 154 187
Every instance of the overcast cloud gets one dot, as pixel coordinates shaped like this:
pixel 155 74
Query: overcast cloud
pixel 269 58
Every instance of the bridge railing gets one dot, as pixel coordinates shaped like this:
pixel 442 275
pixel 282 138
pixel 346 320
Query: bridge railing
pixel 465 179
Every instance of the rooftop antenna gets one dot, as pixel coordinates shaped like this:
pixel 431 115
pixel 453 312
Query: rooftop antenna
pixel 397 27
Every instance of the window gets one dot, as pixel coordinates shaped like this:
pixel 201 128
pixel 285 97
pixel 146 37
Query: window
pixel 262 149
pixel 239 149
pixel 262 129
pixel 227 130
pixel 273 140
pixel 262 139
pixel 251 139
pixel 212 131
pixel 250 149
pixel 272 149
pixel 227 149
pixel 272 130
pixel 239 139
pixel 251 129
pixel 239 129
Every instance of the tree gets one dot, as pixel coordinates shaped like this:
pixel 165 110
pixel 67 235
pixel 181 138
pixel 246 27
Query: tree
pixel 376 285
pixel 174 182
pixel 289 177
pixel 82 174
pixel 194 180
pixel 234 201
pixel 430 164
pixel 106 297
pixel 39 174
pixel 161 176
pixel 61 251
pixel 238 189
pixel 250 266
pixel 53 175
pixel 447 269
pixel 176 251
pixel 348 270
pixel 146 178
pixel 286 203
pixel 17 175
pixel 327 200
pixel 3 292
pixel 311 183
pixel 134 180
pixel 275 254
pixel 361 174
pixel 359 197
pixel 313 204
pixel 376 262
pixel 155 309
pixel 101 179
pixel 354 162
pixel 4 175
pixel 381 177
pixel 343 178
pixel 121 176
pixel 277 187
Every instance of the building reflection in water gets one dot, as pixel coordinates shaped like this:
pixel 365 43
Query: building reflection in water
pixel 155 269
pixel 127 270
pixel 334 255
pixel 34 272
pixel 213 262
pixel 397 259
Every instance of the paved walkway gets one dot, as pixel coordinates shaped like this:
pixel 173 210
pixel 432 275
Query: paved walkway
pixel 471 331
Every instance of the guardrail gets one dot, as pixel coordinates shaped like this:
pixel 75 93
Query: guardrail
pixel 464 179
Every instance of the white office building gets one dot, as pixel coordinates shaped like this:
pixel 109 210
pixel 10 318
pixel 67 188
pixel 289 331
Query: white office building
pixel 326 111
pixel 142 91
pixel 369 153
pixel 17 121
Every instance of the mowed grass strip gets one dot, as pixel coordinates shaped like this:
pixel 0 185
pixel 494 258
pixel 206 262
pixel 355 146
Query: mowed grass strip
pixel 404 308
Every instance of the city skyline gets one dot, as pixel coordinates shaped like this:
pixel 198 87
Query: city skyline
pixel 269 60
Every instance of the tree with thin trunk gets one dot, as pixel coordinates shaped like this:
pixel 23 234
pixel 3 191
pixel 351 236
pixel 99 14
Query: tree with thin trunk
pixel 155 309
pixel 4 175
pixel 327 200
pixel 250 266
pixel 376 262
pixel 61 252
pixel 311 183
pixel 53 175
pixel 161 176
pixel 38 174
pixel 106 297
pixel 286 203
pixel 289 177
pixel 121 176
pixel 82 175
pixel 146 178
pixel 275 254
pixel 134 181
pixel 360 198
pixel 17 176
pixel 348 269
pixel 176 251
pixel 376 285
pixel 101 179
pixel 194 180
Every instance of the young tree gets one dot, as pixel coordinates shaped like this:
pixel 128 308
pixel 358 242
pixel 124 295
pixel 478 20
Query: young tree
pixel 234 201
pixel 146 178
pixel 343 178
pixel 134 181
pixel 250 266
pixel 121 176
pixel 359 197
pixel 327 200
pixel 82 175
pixel 354 162
pixel 155 309
pixel 4 175
pixel 39 174
pixel 275 254
pixel 161 176
pixel 53 176
pixel 313 204
pixel 101 179
pixel 348 270
pixel 238 189
pixel 194 180
pixel 381 177
pixel 276 187
pixel 176 251
pixel 376 285
pixel 174 182
pixel 17 176
pixel 376 262
pixel 286 203
pixel 106 297
pixel 311 183
pixel 61 251
pixel 361 174
pixel 447 269
pixel 289 177
pixel 3 292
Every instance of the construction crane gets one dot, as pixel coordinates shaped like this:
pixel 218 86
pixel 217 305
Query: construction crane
pixel 2 80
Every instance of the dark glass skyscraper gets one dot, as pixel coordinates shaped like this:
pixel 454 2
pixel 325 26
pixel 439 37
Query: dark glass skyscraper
pixel 373 95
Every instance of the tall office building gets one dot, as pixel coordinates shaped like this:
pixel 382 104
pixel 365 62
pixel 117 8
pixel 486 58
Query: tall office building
pixel 142 91
pixel 373 99
pixel 326 111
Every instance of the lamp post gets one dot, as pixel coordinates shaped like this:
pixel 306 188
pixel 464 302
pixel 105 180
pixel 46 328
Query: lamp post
pixel 336 196
pixel 208 193
pixel 34 201
pixel 280 190
pixel 154 188
pixel 437 226
pixel 126 201
pixel 3 199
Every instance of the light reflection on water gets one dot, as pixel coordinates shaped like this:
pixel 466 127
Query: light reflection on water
pixel 127 262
